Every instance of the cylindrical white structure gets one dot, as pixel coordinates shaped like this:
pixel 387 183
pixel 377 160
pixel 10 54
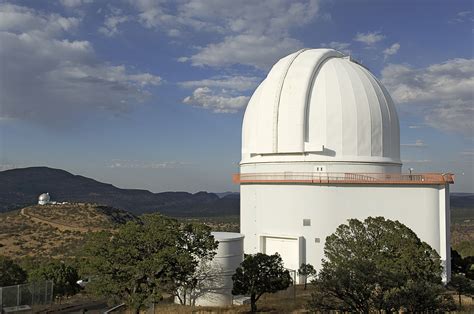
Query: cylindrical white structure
pixel 215 288
pixel 230 253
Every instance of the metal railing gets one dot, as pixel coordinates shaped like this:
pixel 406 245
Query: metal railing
pixel 24 296
pixel 345 178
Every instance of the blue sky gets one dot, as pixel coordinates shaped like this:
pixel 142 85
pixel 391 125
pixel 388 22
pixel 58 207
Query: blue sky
pixel 150 94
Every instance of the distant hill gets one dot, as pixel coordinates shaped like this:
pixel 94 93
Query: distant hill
pixel 462 200
pixel 55 230
pixel 21 187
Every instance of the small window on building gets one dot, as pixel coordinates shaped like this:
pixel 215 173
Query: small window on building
pixel 317 240
pixel 306 222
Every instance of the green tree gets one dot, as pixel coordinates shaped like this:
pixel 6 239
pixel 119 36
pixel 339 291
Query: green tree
pixel 64 278
pixel 10 272
pixel 259 274
pixel 306 271
pixel 378 265
pixel 462 285
pixel 146 258
pixel 462 265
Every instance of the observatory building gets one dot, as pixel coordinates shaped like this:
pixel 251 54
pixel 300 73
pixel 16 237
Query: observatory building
pixel 44 199
pixel 321 145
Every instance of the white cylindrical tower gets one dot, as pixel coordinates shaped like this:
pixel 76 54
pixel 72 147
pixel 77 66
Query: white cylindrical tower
pixel 215 288
pixel 230 254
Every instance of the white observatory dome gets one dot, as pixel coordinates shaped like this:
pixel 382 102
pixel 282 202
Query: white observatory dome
pixel 317 105
pixel 44 199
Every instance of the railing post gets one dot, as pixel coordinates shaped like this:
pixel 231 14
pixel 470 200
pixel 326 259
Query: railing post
pixel 17 295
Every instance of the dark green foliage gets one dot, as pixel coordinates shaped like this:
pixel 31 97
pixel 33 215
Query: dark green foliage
pixel 379 265
pixel 460 265
pixel 64 277
pixel 462 285
pixel 145 259
pixel 258 274
pixel 10 272
pixel 307 271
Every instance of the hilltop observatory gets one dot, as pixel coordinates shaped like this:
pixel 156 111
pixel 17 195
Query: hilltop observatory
pixel 44 199
pixel 321 145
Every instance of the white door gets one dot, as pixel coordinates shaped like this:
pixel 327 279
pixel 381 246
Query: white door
pixel 287 248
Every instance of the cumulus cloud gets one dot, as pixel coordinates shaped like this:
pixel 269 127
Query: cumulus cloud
pixel 248 32
pixel 339 46
pixel 393 49
pixel 222 94
pixel 236 83
pixel 259 51
pixel 138 164
pixel 205 98
pixel 442 93
pixel 112 21
pixel 369 38
pixel 49 78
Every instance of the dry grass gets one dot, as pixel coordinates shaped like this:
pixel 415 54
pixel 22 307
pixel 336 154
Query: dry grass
pixel 289 301
pixel 53 231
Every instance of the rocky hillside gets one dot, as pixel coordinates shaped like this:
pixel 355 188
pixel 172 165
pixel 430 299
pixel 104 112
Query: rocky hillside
pixel 21 187
pixel 55 230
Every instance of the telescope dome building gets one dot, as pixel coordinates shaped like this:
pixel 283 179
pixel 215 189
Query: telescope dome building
pixel 320 145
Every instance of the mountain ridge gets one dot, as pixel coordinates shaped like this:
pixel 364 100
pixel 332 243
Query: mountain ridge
pixel 21 187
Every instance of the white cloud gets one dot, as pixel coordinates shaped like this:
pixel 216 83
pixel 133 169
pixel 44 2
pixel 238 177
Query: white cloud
pixel 138 164
pixel 248 32
pixel 74 3
pixel 413 161
pixel 369 38
pixel 259 51
pixel 18 20
pixel 50 79
pixel 462 17
pixel 236 83
pixel 222 94
pixel 4 167
pixel 220 102
pixel 417 143
pixel 393 49
pixel 112 21
pixel 339 46
pixel 442 93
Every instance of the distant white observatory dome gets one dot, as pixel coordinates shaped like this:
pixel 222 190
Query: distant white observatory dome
pixel 319 105
pixel 44 199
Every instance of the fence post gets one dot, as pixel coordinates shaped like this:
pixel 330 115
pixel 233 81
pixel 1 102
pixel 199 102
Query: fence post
pixel 1 300
pixel 17 295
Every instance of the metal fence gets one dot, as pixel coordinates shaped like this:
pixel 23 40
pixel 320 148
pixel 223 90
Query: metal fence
pixel 21 297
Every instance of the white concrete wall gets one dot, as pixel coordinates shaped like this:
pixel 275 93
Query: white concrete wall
pixel 308 165
pixel 279 210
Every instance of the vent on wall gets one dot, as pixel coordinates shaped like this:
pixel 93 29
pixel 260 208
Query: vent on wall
pixel 306 222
